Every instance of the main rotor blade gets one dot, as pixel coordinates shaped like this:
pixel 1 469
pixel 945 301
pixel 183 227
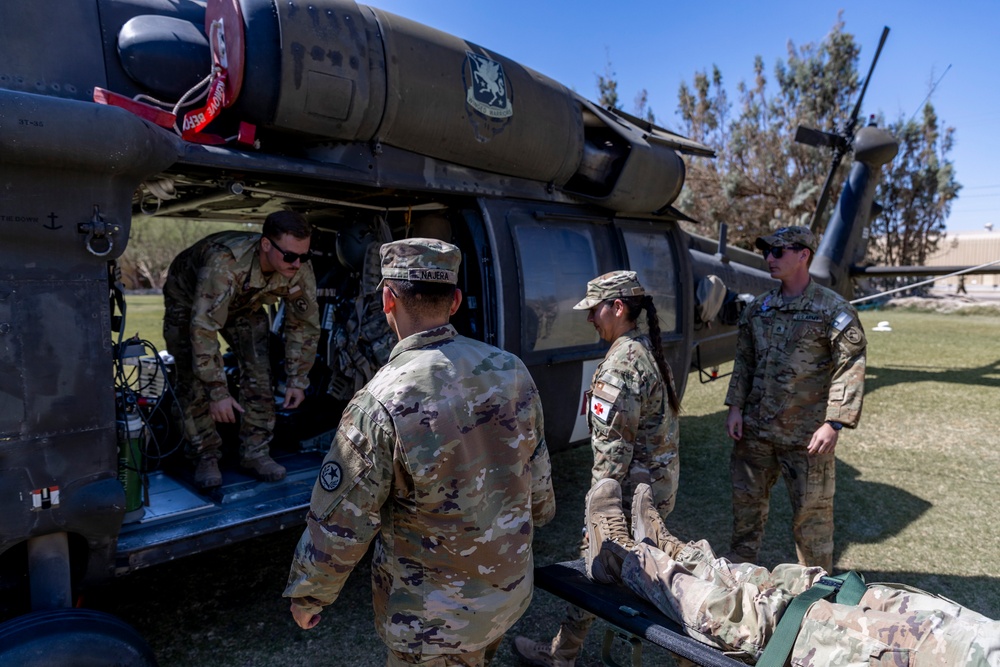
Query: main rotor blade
pixel 807 135
pixel 857 107
pixel 840 147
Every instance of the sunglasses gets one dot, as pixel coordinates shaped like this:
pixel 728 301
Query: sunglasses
pixel 778 250
pixel 291 257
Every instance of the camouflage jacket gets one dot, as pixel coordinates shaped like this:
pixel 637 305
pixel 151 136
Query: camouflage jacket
pixel 442 458
pixel 896 625
pixel 218 279
pixel 799 362
pixel 634 431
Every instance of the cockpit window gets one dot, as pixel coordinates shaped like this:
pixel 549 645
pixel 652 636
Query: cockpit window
pixel 651 256
pixel 557 260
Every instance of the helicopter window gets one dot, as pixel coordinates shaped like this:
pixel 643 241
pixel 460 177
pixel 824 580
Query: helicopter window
pixel 556 261
pixel 651 256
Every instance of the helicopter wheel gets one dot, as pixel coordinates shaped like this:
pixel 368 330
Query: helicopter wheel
pixel 72 638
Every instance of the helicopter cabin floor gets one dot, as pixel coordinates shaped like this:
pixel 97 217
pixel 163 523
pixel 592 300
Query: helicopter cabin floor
pixel 180 519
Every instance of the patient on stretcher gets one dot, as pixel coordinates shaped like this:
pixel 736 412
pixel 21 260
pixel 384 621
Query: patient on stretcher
pixel 737 607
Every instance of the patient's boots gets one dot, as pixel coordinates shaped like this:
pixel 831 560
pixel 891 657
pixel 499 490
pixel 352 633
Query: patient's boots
pixel 608 539
pixel 648 526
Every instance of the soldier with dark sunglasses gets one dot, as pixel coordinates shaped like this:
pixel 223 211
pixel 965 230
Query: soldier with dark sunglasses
pixel 798 378
pixel 220 285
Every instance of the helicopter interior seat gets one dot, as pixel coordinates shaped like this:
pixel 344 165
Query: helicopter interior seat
pixel 710 294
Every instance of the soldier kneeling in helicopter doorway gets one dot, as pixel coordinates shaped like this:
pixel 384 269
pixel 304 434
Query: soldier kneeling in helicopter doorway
pixel 219 286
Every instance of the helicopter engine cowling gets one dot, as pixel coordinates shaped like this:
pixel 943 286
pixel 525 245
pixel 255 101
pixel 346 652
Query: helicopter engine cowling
pixel 337 71
pixel 346 72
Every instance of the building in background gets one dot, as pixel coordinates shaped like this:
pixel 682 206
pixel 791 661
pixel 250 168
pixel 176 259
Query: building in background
pixel 968 249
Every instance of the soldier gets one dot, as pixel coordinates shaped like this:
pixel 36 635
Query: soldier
pixel 737 608
pixel 218 286
pixel 798 378
pixel 634 425
pixel 440 459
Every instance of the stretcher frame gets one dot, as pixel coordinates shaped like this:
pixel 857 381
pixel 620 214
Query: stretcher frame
pixel 632 618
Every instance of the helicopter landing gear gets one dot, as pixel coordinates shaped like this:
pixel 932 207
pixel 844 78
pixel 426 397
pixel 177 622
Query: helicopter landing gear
pixel 72 638
pixel 56 634
pixel 48 567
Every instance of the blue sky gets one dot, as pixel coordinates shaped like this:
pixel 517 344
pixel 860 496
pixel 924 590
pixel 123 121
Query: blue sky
pixel 658 44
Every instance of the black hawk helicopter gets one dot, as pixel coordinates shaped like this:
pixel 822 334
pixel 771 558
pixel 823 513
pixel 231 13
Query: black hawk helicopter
pixel 374 127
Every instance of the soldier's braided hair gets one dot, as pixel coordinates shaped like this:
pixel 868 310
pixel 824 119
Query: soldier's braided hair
pixel 635 305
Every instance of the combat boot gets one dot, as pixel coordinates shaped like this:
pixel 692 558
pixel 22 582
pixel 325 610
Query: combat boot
pixel 647 524
pixel 560 652
pixel 265 468
pixel 206 473
pixel 608 541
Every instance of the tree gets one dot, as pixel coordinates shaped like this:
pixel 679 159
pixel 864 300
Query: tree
pixel 761 178
pixel 607 86
pixel 642 108
pixel 916 193
pixel 607 94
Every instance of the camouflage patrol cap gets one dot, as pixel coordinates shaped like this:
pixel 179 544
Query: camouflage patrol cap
pixel 787 236
pixel 420 260
pixel 614 285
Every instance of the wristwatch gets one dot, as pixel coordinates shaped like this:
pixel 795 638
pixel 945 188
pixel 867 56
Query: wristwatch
pixel 836 426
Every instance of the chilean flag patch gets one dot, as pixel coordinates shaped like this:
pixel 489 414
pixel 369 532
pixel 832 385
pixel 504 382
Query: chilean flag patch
pixel 600 409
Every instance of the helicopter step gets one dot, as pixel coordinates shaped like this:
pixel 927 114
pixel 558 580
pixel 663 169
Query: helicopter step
pixel 179 520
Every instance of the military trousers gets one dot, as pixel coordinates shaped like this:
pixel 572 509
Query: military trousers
pixel 479 658
pixel 247 335
pixel 754 467
pixel 736 607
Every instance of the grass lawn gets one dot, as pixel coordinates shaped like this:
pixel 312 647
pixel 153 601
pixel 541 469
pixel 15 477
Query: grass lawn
pixel 913 501
pixel 914 505
pixel 144 316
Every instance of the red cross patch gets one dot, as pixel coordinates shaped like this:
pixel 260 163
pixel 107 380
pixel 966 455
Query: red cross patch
pixel 600 408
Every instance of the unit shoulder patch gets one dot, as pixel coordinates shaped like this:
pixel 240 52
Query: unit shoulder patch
pixel 330 476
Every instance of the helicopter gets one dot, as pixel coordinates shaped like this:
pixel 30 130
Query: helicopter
pixel 374 127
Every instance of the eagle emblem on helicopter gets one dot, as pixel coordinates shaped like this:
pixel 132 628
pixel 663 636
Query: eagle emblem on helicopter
pixel 487 87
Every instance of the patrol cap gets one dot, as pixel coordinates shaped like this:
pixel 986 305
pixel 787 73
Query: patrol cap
pixel 787 236
pixel 420 260
pixel 614 285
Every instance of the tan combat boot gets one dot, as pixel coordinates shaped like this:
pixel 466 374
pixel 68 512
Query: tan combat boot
pixel 206 473
pixel 647 524
pixel 560 652
pixel 265 468
pixel 608 541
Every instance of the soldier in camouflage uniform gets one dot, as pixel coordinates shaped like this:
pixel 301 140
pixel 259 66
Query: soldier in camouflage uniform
pixel 440 459
pixel 219 286
pixel 634 425
pixel 737 607
pixel 798 378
